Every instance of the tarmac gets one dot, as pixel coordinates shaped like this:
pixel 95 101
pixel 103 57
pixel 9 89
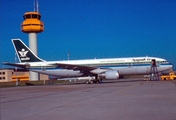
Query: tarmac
pixel 114 100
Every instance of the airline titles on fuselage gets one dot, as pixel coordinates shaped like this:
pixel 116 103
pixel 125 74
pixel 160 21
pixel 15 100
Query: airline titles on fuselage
pixel 131 60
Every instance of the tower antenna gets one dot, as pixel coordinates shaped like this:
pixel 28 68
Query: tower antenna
pixel 36 6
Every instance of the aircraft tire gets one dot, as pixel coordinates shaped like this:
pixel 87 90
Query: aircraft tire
pixel 97 81
pixel 87 82
pixel 91 82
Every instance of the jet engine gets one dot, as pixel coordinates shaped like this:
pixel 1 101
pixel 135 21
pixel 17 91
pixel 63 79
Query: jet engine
pixel 110 74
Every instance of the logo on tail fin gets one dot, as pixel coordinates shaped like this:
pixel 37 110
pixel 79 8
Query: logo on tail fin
pixel 23 54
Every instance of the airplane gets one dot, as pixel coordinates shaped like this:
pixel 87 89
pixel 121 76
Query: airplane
pixel 108 68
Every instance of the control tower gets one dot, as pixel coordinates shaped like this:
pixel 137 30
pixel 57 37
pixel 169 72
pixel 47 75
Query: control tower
pixel 33 25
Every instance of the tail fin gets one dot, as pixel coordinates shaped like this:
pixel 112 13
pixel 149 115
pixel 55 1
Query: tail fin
pixel 24 53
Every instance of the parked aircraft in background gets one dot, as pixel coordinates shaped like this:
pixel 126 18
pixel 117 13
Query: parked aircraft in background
pixel 109 68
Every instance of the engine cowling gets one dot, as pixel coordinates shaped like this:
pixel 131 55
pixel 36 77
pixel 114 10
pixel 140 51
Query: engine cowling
pixel 112 75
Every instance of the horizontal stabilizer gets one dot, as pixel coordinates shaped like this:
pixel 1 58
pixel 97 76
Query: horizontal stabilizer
pixel 17 65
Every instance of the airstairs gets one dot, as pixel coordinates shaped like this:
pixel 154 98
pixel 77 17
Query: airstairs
pixel 154 75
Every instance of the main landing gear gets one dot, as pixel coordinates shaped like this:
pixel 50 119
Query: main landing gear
pixel 92 81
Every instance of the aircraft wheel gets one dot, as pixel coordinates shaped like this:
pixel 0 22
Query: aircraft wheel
pixel 87 82
pixel 97 81
pixel 91 82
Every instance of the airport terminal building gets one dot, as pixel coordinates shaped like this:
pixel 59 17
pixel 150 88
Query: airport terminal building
pixel 10 75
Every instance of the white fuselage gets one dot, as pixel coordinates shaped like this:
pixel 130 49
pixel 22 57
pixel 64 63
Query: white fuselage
pixel 109 68
pixel 124 66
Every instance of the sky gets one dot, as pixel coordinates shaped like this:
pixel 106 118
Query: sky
pixel 93 28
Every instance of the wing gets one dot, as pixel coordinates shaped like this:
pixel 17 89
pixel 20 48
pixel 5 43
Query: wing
pixel 82 68
pixel 74 67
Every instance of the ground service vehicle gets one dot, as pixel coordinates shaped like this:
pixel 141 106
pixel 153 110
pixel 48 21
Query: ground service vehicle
pixel 171 76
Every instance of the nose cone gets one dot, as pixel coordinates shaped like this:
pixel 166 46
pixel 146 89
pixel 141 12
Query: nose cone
pixel 165 67
pixel 172 65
